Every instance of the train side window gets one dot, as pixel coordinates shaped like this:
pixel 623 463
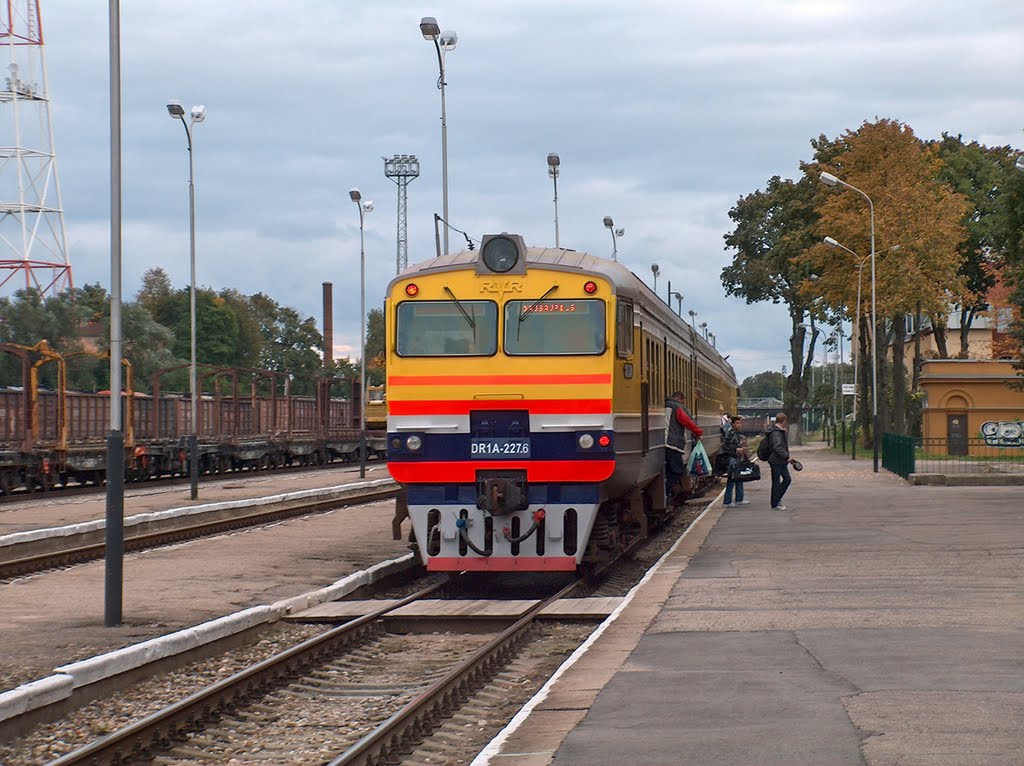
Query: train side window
pixel 624 329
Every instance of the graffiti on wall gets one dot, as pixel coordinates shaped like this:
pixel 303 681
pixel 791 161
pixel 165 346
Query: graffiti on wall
pixel 1003 433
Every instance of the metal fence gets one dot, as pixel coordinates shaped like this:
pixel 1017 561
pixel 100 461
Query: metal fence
pixel 905 455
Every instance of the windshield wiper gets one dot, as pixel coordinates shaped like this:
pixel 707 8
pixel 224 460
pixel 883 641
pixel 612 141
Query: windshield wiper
pixel 528 311
pixel 460 308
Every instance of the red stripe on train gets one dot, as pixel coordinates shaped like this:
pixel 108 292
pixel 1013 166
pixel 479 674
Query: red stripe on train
pixel 464 471
pixel 535 406
pixel 501 564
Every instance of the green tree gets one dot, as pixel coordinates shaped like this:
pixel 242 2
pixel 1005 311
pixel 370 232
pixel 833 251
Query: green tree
pixel 773 228
pixel 761 385
pixel 980 174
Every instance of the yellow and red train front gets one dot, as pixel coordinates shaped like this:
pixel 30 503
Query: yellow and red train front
pixel 500 413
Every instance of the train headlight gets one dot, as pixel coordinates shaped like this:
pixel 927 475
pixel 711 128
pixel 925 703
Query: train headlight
pixel 500 254
pixel 413 443
pixel 586 441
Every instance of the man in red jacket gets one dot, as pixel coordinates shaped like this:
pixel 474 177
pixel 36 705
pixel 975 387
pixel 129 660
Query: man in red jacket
pixel 679 423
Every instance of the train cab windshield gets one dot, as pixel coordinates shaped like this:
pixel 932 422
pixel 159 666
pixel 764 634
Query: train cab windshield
pixel 558 327
pixel 447 328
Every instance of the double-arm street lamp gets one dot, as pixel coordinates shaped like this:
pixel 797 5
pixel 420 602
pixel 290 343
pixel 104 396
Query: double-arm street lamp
pixel 655 270
pixel 679 302
pixel 198 114
pixel 364 208
pixel 830 180
pixel 553 163
pixel 610 225
pixel 443 42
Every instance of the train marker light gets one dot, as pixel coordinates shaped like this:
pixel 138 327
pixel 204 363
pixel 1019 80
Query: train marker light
pixel 604 440
pixel 590 288
pixel 411 289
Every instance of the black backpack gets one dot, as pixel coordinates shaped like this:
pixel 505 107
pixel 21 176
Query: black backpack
pixel 764 449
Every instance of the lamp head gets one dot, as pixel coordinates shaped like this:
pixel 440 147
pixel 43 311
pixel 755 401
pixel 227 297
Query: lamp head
pixel 828 179
pixel 368 206
pixel 354 195
pixel 448 39
pixel 620 232
pixel 830 242
pixel 703 325
pixel 693 313
pixel 429 28
pixel 553 160
pixel 654 269
pixel 175 109
pixel 608 221
pixel 198 113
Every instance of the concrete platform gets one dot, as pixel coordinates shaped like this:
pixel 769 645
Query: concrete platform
pixel 874 622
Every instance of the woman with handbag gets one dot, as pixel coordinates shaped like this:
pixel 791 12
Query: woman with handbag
pixel 731 449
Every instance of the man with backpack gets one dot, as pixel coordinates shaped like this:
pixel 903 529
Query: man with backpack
pixel 774 448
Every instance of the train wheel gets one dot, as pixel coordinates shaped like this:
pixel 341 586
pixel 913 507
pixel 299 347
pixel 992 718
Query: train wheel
pixel 6 483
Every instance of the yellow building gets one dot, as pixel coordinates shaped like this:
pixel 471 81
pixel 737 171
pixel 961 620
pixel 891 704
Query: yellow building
pixel 969 403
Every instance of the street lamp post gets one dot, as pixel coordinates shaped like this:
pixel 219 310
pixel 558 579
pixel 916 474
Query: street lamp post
pixel 679 303
pixel 615 233
pixel 443 42
pixel 830 180
pixel 364 208
pixel 198 114
pixel 655 271
pixel 693 315
pixel 859 265
pixel 553 163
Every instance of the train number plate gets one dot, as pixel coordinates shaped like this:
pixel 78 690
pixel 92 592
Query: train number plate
pixel 496 449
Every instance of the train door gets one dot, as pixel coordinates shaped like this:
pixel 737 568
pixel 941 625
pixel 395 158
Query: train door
pixel 645 393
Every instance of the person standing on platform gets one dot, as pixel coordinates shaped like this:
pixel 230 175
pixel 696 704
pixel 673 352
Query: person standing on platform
pixel 779 460
pixel 679 422
pixel 731 449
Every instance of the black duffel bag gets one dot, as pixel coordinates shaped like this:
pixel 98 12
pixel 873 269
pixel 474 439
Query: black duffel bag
pixel 745 470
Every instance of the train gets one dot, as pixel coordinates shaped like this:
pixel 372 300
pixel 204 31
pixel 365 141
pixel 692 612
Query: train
pixel 526 418
pixel 246 419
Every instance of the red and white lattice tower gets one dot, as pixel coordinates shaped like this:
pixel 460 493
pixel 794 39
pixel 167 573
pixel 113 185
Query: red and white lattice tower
pixel 33 243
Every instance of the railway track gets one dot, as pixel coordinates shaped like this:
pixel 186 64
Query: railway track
pixel 336 683
pixel 73 550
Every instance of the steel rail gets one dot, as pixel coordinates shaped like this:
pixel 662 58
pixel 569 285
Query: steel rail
pixel 442 697
pixel 131 743
pixel 79 554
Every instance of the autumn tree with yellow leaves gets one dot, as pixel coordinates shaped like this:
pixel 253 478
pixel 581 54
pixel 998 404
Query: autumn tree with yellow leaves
pixel 919 229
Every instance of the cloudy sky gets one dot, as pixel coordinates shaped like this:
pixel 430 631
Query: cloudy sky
pixel 664 113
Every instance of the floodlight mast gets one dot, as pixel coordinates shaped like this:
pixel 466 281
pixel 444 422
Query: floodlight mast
pixel 402 168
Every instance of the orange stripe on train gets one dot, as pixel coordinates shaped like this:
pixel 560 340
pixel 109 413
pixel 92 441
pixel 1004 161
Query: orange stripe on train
pixel 535 406
pixel 499 380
